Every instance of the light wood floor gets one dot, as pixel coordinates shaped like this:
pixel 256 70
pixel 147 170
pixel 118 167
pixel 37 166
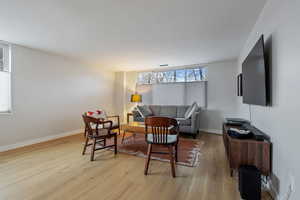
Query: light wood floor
pixel 56 170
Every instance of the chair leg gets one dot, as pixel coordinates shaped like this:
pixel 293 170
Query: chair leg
pixel 116 143
pixel 93 149
pixel 85 132
pixel 104 142
pixel 134 137
pixel 148 159
pixel 176 152
pixel 119 130
pixel 123 136
pixel 85 145
pixel 172 160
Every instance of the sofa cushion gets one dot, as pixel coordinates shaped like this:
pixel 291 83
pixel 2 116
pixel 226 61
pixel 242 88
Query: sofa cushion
pixel 155 109
pixel 193 108
pixel 184 122
pixel 168 111
pixel 144 111
pixel 181 110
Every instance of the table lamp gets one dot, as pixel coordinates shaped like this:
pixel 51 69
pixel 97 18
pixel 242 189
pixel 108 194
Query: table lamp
pixel 136 98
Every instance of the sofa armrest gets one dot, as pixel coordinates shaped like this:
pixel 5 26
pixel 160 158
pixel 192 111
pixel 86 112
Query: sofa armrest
pixel 195 121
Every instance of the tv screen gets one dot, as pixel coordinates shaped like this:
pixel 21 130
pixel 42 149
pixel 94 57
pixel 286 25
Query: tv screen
pixel 255 76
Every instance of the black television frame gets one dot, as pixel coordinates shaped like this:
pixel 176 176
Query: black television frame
pixel 267 101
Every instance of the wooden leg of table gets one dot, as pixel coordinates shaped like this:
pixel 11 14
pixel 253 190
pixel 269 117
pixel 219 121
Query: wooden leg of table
pixel 176 152
pixel 134 137
pixel 93 149
pixel 172 160
pixel 148 159
pixel 116 143
pixel 124 132
pixel 231 172
pixel 85 145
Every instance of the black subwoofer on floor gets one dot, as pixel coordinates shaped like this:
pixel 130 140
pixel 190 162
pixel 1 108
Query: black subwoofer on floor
pixel 250 183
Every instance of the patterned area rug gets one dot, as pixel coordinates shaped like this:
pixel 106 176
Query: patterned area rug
pixel 188 149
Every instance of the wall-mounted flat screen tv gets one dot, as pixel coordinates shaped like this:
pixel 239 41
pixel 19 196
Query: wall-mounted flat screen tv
pixel 255 76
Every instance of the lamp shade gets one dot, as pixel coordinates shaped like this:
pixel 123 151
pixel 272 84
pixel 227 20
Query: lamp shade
pixel 136 98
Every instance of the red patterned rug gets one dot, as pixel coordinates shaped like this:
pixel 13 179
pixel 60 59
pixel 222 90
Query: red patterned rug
pixel 188 149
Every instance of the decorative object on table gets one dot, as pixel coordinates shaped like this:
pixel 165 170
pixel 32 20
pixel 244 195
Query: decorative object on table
pixel 136 98
pixel 98 114
pixel 98 135
pixel 163 131
pixel 239 133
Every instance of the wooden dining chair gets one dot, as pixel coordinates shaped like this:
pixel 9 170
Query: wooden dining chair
pixel 98 135
pixel 114 127
pixel 162 131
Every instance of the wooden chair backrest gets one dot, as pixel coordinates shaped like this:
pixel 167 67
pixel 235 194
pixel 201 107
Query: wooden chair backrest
pixel 88 121
pixel 160 128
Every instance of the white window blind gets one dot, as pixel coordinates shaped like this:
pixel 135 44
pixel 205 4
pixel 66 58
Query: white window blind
pixel 5 74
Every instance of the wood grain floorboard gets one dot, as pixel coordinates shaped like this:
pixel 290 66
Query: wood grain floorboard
pixel 57 170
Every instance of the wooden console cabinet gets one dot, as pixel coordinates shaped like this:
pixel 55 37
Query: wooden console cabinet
pixel 247 152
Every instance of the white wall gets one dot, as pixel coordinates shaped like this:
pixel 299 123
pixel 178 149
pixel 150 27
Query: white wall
pixel 49 95
pixel 222 97
pixel 280 24
pixel 119 94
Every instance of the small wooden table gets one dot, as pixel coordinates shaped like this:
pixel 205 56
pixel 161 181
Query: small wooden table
pixel 134 128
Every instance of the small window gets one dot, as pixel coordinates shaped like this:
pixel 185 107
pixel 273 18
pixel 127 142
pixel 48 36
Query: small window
pixel 171 76
pixel 5 94
pixel 180 75
pixel 165 77
pixel 193 75
pixel 146 78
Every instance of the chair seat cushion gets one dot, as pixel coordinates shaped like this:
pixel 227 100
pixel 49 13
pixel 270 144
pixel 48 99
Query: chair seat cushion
pixel 171 139
pixel 101 133
pixel 115 125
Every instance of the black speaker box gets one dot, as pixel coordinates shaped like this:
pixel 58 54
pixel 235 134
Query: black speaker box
pixel 250 183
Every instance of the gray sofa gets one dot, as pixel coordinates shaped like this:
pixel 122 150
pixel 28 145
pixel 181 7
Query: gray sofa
pixel 188 126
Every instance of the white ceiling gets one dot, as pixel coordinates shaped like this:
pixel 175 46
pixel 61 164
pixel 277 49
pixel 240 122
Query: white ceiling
pixel 131 34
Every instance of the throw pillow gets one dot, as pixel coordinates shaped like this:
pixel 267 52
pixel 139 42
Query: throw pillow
pixel 144 111
pixel 189 112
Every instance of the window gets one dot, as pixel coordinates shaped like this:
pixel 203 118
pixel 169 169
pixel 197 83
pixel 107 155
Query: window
pixel 5 97
pixel 180 75
pixel 196 74
pixel 146 78
pixel 171 76
pixel 165 77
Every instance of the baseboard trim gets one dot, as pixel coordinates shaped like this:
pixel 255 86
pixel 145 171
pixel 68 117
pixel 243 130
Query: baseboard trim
pixel 215 131
pixel 39 140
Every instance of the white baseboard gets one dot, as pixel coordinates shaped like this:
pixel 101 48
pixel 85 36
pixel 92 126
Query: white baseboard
pixel 216 131
pixel 39 140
